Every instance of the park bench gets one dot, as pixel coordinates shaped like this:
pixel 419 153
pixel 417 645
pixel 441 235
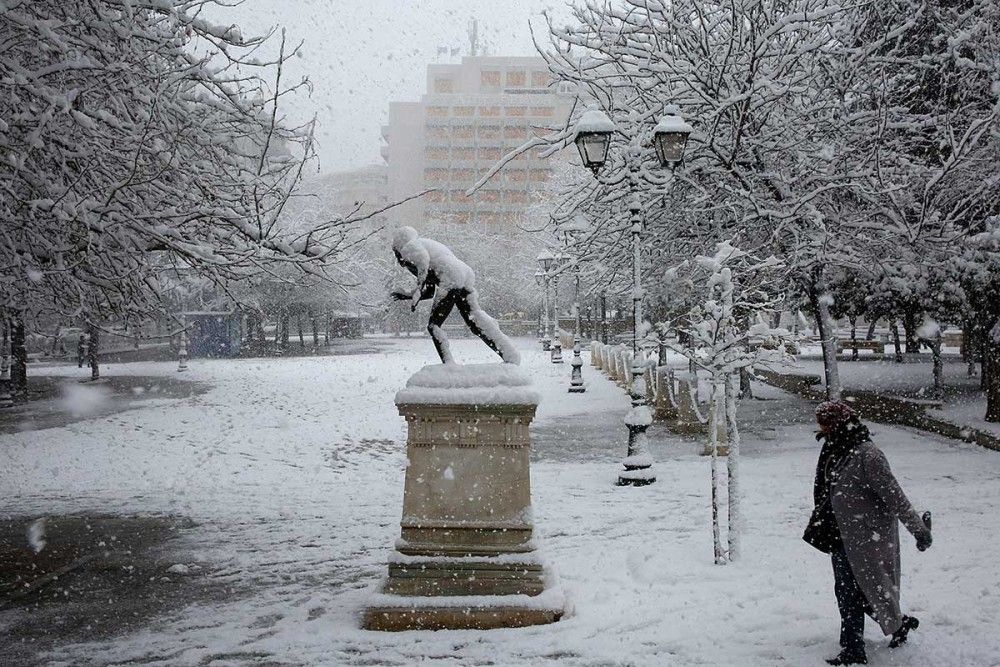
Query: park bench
pixel 875 346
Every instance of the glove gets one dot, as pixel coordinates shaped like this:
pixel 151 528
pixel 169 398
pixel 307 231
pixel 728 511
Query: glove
pixel 924 541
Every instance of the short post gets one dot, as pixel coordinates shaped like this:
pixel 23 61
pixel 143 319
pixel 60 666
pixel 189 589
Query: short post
pixel 182 353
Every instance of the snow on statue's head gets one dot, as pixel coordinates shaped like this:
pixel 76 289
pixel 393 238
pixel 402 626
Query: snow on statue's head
pixel 402 236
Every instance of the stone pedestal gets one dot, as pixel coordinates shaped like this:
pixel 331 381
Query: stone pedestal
pixel 466 557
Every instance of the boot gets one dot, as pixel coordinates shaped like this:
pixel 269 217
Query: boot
pixel 900 636
pixel 846 657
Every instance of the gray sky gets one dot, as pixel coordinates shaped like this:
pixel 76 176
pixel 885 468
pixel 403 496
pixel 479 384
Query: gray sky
pixel 362 54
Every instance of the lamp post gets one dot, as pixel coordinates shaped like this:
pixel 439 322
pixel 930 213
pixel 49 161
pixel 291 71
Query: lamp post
pixel 545 260
pixel 593 140
pixel 556 347
pixel 541 279
pixel 571 232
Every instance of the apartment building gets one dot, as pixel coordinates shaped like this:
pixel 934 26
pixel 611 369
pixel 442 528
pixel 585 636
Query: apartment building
pixel 471 115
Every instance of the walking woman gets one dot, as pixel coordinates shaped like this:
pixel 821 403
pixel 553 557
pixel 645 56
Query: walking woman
pixel 858 503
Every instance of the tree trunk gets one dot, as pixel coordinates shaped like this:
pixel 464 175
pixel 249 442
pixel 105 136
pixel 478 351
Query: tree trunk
pixel 285 330
pixel 910 329
pixel 733 471
pixel 315 328
pixel 938 367
pixel 854 338
pixel 298 324
pixel 991 371
pixel 871 329
pixel 4 348
pixel 968 348
pixel 713 439
pixel 18 356
pixel 824 324
pixel 746 389
pixel 326 330
pixel 93 349
pixel 894 325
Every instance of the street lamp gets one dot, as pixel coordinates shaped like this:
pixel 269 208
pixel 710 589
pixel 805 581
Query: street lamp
pixel 545 260
pixel 543 317
pixel 593 140
pixel 571 231
pixel 556 347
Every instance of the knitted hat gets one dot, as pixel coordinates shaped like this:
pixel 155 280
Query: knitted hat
pixel 832 414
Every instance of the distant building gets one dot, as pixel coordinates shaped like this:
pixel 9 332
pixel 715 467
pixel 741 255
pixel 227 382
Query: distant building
pixel 471 115
pixel 356 191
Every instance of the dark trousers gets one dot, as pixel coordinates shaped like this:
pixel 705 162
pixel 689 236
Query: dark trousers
pixel 851 602
pixel 468 307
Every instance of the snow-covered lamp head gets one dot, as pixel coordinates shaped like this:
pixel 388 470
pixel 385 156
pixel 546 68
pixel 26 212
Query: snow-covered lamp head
pixel 593 138
pixel 670 137
pixel 545 260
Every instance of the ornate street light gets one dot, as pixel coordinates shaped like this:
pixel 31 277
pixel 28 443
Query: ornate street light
pixel 545 260
pixel 556 345
pixel 593 138
pixel 670 137
pixel 543 318
pixel 572 231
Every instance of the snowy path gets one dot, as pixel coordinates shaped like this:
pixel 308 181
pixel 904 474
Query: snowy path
pixel 292 470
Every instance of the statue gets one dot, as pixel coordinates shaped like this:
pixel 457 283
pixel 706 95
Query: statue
pixel 450 283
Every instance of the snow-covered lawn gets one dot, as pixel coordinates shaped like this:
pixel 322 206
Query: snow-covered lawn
pixel 292 470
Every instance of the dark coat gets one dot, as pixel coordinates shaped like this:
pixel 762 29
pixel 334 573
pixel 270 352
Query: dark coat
pixel 868 502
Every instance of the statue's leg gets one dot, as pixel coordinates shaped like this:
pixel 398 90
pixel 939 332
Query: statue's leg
pixel 439 313
pixel 485 326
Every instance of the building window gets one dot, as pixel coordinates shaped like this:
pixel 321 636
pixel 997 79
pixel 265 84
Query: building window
pixel 444 85
pixel 490 80
pixel 545 112
pixel 462 175
pixel 463 154
pixel 489 132
pixel 516 111
pixel 462 131
pixel 515 133
pixel 465 111
pixel 540 79
pixel 539 175
pixel 489 153
pixel 489 111
pixel 437 132
pixel 516 78
pixel 437 112
pixel 435 175
pixel 436 153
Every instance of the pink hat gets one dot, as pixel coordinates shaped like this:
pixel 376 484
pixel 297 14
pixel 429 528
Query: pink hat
pixel 833 413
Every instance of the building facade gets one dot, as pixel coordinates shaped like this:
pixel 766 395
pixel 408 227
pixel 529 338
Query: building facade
pixel 472 114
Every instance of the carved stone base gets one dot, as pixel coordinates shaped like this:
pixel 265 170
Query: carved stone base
pixel 465 557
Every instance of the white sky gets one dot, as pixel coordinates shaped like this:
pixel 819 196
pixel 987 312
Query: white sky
pixel 362 54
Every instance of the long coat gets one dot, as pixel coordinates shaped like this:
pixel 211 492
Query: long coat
pixel 867 502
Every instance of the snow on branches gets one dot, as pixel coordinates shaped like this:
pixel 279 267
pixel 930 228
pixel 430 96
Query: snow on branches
pixel 141 143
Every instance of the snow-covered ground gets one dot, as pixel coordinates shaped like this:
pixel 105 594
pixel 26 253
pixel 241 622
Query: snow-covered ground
pixel 292 471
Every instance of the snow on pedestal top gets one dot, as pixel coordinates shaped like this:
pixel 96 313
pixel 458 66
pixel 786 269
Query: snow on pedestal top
pixel 480 384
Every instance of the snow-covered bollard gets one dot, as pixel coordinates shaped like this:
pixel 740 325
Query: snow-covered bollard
pixel 466 557
pixel 576 385
pixel 556 348
pixel 182 354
